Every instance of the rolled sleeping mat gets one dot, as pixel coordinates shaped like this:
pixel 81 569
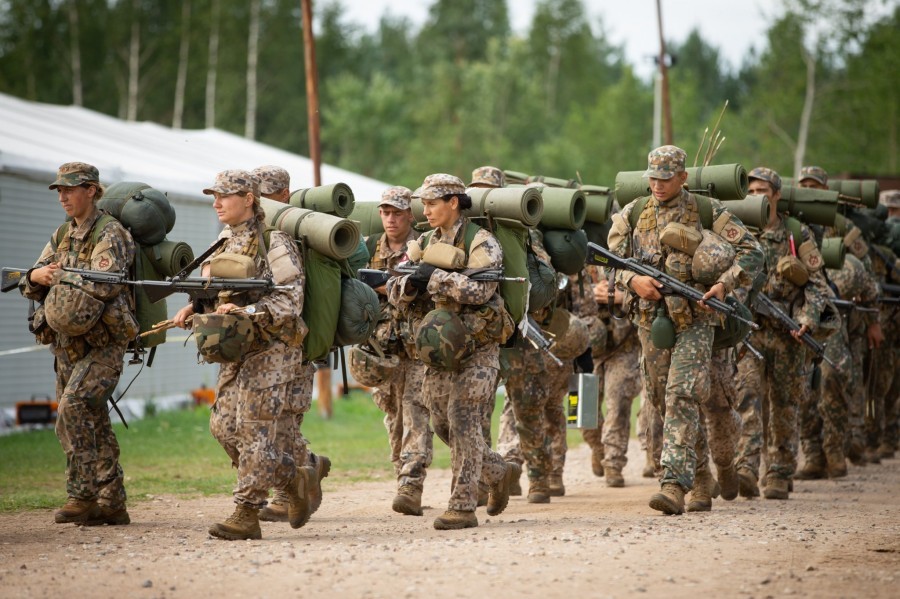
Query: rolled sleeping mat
pixel 753 210
pixel 812 206
pixel 724 182
pixel 599 203
pixel 553 181
pixel 335 237
pixel 563 208
pixel 833 252
pixel 861 192
pixel 523 204
pixel 336 199
pixel 144 211
pixel 516 177
pixel 169 257
pixel 368 217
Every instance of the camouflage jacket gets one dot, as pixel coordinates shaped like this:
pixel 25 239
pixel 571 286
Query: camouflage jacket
pixel 394 326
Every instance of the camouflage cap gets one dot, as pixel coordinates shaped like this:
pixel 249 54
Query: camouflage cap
pixel 816 173
pixel 890 198
pixel 416 193
pixel 488 176
pixel 234 181
pixel 441 185
pixel 73 174
pixel 766 174
pixel 272 179
pixel 397 196
pixel 664 162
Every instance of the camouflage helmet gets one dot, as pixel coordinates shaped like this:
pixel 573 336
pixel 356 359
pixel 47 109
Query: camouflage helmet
pixel 71 311
pixel 712 257
pixel 223 337
pixel 370 369
pixel 443 342
pixel 572 335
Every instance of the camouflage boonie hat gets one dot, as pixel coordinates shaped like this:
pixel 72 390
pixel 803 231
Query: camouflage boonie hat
pixel 272 179
pixel 489 176
pixel 443 342
pixel 441 185
pixel 766 174
pixel 816 173
pixel 71 311
pixel 73 174
pixel 370 369
pixel 234 181
pixel 397 196
pixel 712 257
pixel 223 337
pixel 890 198
pixel 664 162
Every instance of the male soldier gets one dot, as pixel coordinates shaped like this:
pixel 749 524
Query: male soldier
pixel 254 417
pixel 275 184
pixel 400 398
pixel 676 379
pixel 794 280
pixel 87 349
pixel 458 341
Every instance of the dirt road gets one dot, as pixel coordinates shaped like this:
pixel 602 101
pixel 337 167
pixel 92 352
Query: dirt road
pixel 831 539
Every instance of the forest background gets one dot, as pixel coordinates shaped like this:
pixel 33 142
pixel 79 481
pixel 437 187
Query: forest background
pixel 463 89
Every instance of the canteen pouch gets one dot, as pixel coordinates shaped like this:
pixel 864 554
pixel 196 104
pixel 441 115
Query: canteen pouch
pixel 791 269
pixel 444 256
pixel 681 237
pixel 228 265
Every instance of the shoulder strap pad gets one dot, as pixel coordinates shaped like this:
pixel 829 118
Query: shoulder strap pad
pixel 635 214
pixel 704 207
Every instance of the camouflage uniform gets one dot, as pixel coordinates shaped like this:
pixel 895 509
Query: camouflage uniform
pixel 649 433
pixel 883 429
pixel 87 366
pixel 457 399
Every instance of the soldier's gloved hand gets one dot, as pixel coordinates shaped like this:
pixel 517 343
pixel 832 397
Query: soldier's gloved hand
pixel 419 279
pixel 585 362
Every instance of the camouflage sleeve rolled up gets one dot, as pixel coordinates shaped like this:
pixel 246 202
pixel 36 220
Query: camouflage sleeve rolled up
pixel 283 307
pixel 484 253
pixel 749 260
pixel 815 293
pixel 34 291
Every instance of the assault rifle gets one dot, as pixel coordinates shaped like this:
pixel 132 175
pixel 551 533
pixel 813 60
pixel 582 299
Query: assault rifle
pixel 375 278
pixel 765 306
pixel 849 306
pixel 11 277
pixel 670 285
pixel 195 287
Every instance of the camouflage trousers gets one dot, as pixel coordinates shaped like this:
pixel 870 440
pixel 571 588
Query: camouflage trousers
pixel 302 393
pixel 769 393
pixel 720 426
pixel 555 414
pixel 823 415
pixel 507 437
pixel 886 388
pixel 676 381
pixel 85 378
pixel 619 377
pixel 856 408
pixel 255 420
pixel 406 421
pixel 649 433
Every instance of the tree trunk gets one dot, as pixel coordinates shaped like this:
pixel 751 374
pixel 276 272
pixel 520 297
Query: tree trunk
pixel 77 97
pixel 252 60
pixel 134 62
pixel 212 66
pixel 183 53
pixel 806 115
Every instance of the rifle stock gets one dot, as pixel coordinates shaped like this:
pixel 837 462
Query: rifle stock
pixel 11 278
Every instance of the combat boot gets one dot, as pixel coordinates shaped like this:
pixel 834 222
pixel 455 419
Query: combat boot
pixel 77 511
pixel 323 467
pixel 669 500
pixel 649 470
pixel 113 516
pixel 729 483
pixel 277 509
pixel 483 495
pixel 408 501
pixel 614 478
pixel 835 465
pixel 856 453
pixel 243 524
pixel 776 487
pixel 539 491
pixel 455 520
pixel 747 486
pixel 701 494
pixel 813 469
pixel 871 456
pixel 499 496
pixel 886 452
pixel 597 461
pixel 299 492
pixel 515 489
pixel 557 488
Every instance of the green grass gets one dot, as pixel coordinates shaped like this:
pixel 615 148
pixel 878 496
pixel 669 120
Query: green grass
pixel 174 453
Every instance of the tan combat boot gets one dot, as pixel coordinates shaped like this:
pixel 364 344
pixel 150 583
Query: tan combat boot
pixel 408 501
pixel 515 489
pixel 299 493
pixel 113 516
pixel 614 478
pixel 243 524
pixel 729 483
pixel 557 488
pixel 776 487
pixel 813 468
pixel 483 494
pixel 835 464
pixel 277 509
pixel 77 511
pixel 597 461
pixel 499 496
pixel 886 452
pixel 455 520
pixel 747 485
pixel 669 500
pixel 323 467
pixel 538 491
pixel 701 494
pixel 649 470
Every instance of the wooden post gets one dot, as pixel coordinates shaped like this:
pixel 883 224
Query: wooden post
pixel 667 108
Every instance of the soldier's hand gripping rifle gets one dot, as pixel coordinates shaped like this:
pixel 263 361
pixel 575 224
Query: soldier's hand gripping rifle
pixel 599 256
pixel 765 306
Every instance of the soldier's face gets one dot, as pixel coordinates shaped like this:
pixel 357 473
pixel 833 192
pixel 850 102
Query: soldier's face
pixel 666 189
pixel 78 201
pixel 441 212
pixel 395 221
pixel 812 184
pixel 234 208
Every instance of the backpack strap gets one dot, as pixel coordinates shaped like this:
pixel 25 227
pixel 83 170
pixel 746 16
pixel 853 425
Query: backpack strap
pixel 635 215
pixel 372 244
pixel 794 227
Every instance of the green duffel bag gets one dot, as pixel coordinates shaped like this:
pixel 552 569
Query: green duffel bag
pixel 359 311
pixel 567 249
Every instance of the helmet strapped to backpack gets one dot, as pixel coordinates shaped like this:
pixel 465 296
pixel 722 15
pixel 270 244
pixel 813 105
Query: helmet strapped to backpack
pixel 443 342
pixel 223 337
pixel 371 369
pixel 71 311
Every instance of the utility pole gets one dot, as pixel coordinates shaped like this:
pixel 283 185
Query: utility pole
pixel 664 74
